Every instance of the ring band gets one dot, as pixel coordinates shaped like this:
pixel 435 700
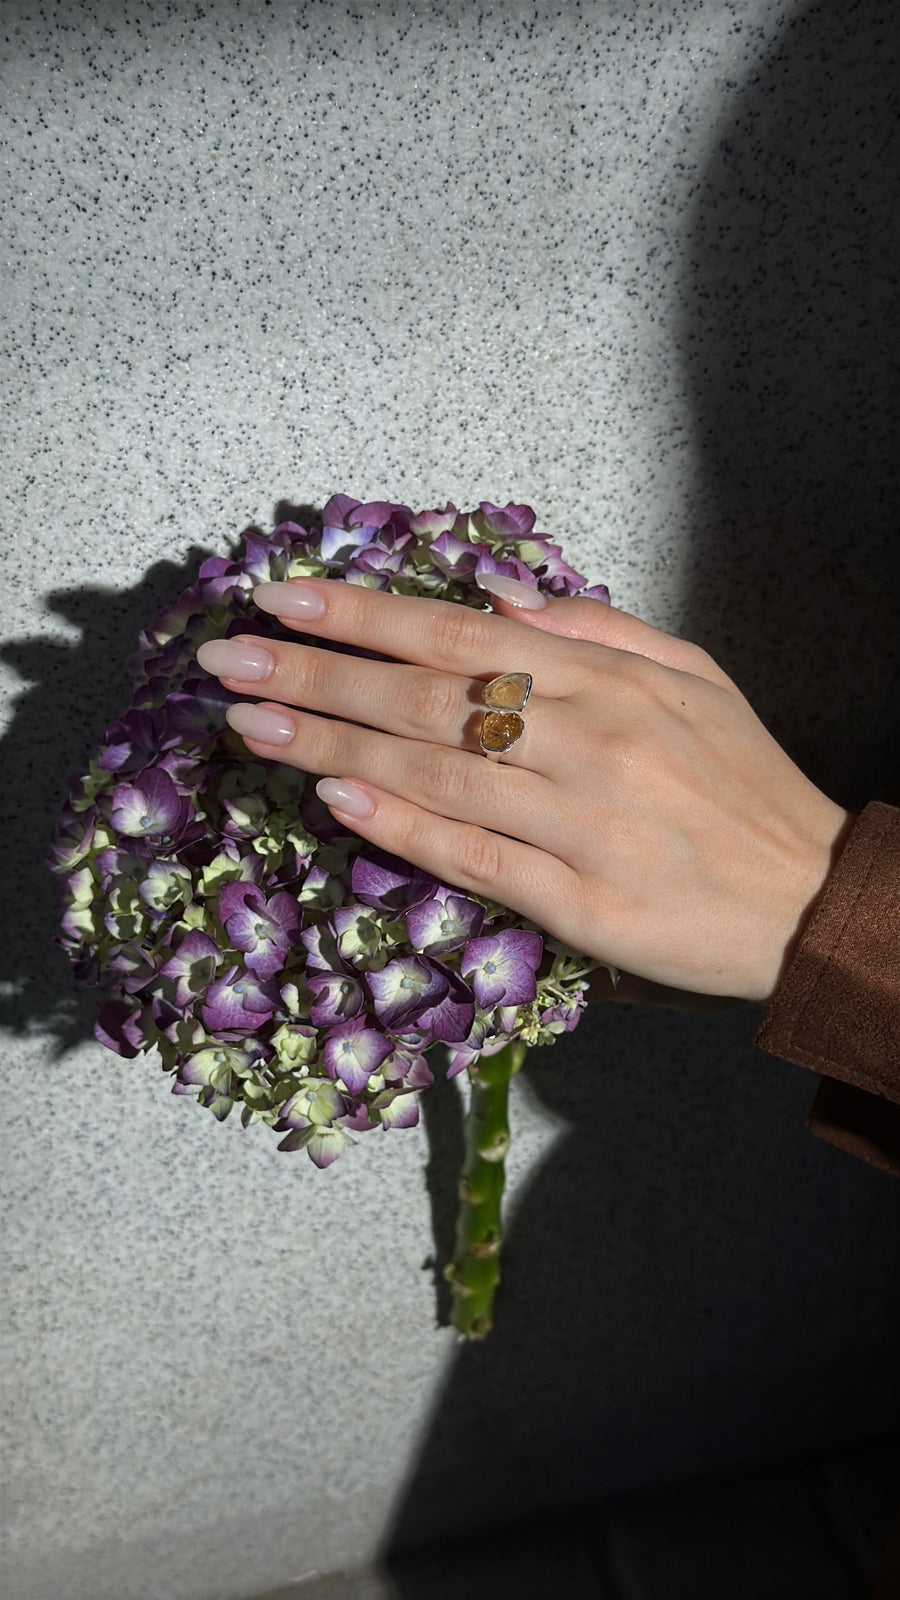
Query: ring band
pixel 502 725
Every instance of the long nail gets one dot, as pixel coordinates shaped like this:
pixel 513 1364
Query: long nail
pixel 236 658
pixel 342 795
pixel 262 723
pixel 512 591
pixel 296 601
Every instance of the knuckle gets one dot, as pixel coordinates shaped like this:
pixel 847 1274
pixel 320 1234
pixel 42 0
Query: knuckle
pixel 703 665
pixel 454 633
pixel 625 749
pixel 636 673
pixel 304 672
pixel 480 859
pixel 696 657
pixel 326 744
pixel 441 777
pixel 433 702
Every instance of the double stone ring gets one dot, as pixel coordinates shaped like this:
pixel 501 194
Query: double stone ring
pixel 503 724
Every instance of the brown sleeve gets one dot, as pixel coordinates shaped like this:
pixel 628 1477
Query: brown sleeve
pixel 837 1007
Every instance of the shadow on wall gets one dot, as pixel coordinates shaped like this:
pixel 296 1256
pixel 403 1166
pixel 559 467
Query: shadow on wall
pixel 791 341
pixel 692 1281
pixel 75 691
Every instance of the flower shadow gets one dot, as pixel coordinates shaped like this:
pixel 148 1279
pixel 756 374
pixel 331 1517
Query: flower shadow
pixel 71 693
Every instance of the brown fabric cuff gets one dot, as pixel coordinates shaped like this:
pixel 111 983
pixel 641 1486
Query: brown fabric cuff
pixel 863 1124
pixel 837 1007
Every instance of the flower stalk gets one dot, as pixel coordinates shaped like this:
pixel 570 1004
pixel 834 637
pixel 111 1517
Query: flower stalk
pixel 474 1272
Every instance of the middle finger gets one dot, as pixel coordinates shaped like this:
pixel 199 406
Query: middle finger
pixel 414 702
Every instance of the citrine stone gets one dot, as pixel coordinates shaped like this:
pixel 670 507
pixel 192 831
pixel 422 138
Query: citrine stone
pixel 509 692
pixel 500 730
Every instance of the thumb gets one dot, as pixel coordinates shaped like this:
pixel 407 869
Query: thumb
pixel 596 620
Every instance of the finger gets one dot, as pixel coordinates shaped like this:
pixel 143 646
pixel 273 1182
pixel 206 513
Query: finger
pixel 469 858
pixel 414 702
pixel 439 634
pixel 618 630
pixel 461 786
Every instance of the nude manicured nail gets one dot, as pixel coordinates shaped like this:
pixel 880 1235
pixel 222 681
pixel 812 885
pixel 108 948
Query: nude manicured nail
pixel 236 658
pixel 342 795
pixel 263 723
pixel 511 590
pixel 296 601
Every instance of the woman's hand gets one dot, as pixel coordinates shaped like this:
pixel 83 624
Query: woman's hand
pixel 645 817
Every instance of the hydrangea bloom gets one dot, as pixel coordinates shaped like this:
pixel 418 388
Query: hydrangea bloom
pixel 275 962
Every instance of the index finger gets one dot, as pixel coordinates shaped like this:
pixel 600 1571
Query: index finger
pixel 440 634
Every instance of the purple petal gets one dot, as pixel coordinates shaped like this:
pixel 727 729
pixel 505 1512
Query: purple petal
pixel 197 715
pixel 150 808
pixel 321 948
pixel 460 1060
pixel 289 533
pixel 133 742
pixel 507 522
pixel 386 882
pixel 263 929
pixel 192 966
pixel 238 1003
pixel 443 923
pixel 379 513
pixel 118 1026
pixel 406 988
pixel 450 1021
pixel 353 1051
pixel 435 522
pixel 336 998
pixel 455 558
pixel 402 1112
pixel 502 967
pixel 339 544
pixel 338 510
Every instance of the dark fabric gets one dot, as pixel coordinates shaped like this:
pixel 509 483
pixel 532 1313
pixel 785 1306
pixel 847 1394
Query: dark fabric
pixel 863 1124
pixel 837 1007
pixel 837 1010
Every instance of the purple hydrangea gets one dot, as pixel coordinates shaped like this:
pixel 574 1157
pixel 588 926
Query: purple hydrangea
pixel 275 963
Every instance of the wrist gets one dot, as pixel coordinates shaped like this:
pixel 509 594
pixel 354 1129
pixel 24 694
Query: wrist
pixel 824 848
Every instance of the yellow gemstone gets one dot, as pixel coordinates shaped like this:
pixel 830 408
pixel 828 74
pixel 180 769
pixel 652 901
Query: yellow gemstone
pixel 500 730
pixel 509 692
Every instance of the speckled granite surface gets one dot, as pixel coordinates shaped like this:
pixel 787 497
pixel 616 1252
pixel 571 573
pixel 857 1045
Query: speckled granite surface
pixel 634 263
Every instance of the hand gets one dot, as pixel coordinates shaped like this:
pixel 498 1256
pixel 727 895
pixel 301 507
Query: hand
pixel 645 817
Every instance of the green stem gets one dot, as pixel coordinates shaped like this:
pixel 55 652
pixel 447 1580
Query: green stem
pixel 474 1272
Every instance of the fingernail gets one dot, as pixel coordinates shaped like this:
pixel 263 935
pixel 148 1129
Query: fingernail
pixel 511 590
pixel 342 795
pixel 236 658
pixel 296 601
pixel 262 723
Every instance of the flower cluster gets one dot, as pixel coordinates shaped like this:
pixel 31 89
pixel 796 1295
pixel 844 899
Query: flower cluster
pixel 272 960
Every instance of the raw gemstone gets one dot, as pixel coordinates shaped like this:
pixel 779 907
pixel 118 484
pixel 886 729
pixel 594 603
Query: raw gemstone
pixel 500 730
pixel 508 692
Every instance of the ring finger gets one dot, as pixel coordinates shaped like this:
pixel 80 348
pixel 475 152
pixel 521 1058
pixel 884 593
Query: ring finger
pixel 452 783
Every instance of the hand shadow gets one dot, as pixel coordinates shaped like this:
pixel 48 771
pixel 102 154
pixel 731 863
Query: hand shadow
pixel 692 1282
